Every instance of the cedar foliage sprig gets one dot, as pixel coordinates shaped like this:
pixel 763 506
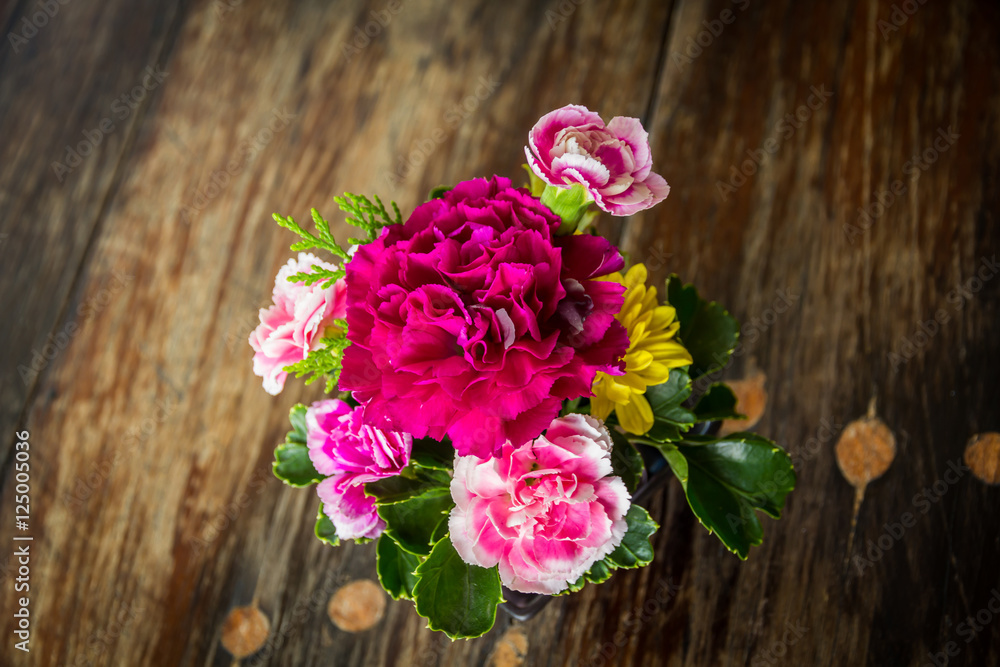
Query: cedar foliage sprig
pixel 370 217
pixel 325 360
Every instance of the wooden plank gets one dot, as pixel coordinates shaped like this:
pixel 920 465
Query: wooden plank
pixel 62 86
pixel 860 293
pixel 159 511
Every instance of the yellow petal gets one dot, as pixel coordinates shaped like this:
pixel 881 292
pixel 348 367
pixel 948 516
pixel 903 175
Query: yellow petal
pixel 636 276
pixel 637 416
pixel 616 393
pixel 600 406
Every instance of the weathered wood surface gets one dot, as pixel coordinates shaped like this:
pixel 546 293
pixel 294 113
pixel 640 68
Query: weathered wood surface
pixel 154 512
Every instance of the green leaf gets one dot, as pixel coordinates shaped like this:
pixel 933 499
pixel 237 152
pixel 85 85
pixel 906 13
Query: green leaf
pixel 424 482
pixel 535 184
pixel 676 461
pixel 568 203
pixel 727 479
pixel 670 418
pixel 438 193
pixel 412 523
pixel 708 332
pixel 396 568
pixel 431 453
pixel 718 403
pixel 297 417
pixel 324 529
pixel 626 461
pixel 455 597
pixel 291 458
pixel 635 549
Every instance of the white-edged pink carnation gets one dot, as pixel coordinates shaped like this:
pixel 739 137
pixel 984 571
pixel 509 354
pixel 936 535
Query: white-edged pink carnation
pixel 352 453
pixel 573 145
pixel 545 511
pixel 291 328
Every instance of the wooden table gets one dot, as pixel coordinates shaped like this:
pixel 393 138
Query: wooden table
pixel 145 145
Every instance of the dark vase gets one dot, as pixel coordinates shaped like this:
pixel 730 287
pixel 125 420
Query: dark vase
pixel 524 606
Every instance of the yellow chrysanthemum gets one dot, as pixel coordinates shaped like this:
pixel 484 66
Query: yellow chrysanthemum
pixel 652 352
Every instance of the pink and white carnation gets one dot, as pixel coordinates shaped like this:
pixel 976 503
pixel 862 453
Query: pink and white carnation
pixel 545 511
pixel 352 453
pixel 473 320
pixel 291 328
pixel 613 162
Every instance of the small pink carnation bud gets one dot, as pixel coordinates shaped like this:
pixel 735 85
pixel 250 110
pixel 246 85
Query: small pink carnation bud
pixel 573 145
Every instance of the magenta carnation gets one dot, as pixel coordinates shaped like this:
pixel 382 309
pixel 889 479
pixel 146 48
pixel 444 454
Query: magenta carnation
pixel 291 328
pixel 573 145
pixel 351 453
pixel 545 511
pixel 473 320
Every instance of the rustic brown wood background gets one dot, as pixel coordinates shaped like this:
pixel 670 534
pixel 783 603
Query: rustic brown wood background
pixel 130 283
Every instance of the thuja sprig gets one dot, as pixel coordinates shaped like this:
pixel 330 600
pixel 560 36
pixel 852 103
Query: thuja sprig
pixel 324 361
pixel 368 216
pixel 361 212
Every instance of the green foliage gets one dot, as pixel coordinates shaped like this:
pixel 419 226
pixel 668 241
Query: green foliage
pixel 626 461
pixel 727 479
pixel 455 597
pixel 324 529
pixel 438 193
pixel 434 454
pixel 634 551
pixel 670 418
pixel 367 216
pixel 707 331
pixel 396 568
pixel 324 361
pixel 291 458
pixel 718 403
pixel 535 184
pixel 370 217
pixel 413 482
pixel 570 204
pixel 412 522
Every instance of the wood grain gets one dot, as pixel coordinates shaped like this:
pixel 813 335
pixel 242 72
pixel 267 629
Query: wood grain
pixel 154 511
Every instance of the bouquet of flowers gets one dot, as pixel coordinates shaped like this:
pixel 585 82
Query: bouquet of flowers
pixel 500 383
